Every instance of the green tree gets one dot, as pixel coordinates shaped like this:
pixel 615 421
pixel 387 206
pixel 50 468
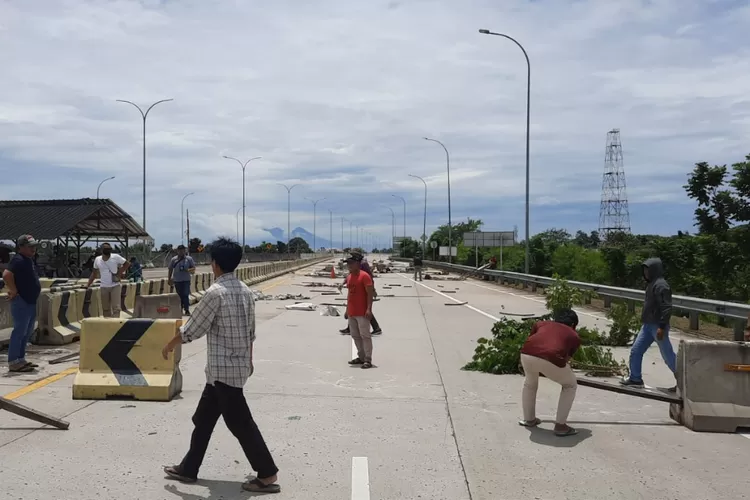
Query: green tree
pixel 299 245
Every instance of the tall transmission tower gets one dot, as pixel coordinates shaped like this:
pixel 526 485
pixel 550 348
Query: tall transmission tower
pixel 614 216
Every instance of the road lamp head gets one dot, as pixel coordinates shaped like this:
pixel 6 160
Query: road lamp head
pixel 485 32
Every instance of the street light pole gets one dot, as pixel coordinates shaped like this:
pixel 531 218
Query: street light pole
pixel 315 221
pixel 243 165
pixel 350 235
pixel 528 126
pixel 404 200
pixel 288 214
pixel 182 218
pixel 144 116
pixel 342 234
pixel 393 225
pixel 100 185
pixel 237 216
pixel 424 223
pixel 450 225
pixel 331 240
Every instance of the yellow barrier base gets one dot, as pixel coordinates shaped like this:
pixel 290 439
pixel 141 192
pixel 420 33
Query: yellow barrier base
pixel 121 358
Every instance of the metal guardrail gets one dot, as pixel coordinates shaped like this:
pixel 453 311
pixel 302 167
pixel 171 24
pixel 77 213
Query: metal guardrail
pixel 693 305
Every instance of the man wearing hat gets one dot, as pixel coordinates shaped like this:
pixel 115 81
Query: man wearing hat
pixel 181 270
pixel 359 310
pixel 23 286
pixel 364 266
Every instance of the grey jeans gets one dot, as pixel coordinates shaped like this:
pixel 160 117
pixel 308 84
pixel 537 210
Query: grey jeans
pixel 359 329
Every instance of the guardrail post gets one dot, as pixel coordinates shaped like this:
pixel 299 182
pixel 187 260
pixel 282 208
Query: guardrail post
pixel 631 306
pixel 694 321
pixel 587 298
pixel 533 287
pixel 739 330
pixel 607 301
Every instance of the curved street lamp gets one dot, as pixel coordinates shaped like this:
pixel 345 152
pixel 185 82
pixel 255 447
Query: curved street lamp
pixel 450 225
pixel 528 123
pixel 424 223
pixel 243 165
pixel 315 221
pixel 100 185
pixel 393 224
pixel 144 116
pixel 288 212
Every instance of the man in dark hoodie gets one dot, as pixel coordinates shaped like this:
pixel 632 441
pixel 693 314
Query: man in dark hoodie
pixel 657 311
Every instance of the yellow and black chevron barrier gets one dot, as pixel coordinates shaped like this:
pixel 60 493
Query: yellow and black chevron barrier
pixel 122 358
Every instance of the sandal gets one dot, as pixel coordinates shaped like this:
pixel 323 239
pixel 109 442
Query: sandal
pixel 257 486
pixel 173 471
pixel 356 361
pixel 568 432
pixel 366 365
pixel 530 423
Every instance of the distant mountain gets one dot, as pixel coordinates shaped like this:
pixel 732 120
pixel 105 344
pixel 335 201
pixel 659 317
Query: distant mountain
pixel 279 234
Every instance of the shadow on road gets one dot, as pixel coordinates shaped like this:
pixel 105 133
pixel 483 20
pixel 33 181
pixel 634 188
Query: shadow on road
pixel 547 437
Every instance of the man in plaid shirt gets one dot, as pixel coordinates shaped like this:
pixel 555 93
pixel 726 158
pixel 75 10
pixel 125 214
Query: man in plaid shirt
pixel 226 316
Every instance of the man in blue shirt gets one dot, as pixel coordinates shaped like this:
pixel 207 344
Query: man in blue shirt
pixel 181 270
pixel 23 286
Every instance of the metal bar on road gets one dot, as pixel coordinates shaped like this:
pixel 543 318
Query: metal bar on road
pixel 654 394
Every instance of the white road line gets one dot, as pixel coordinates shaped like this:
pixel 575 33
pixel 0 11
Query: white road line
pixel 488 315
pixel 360 479
pixel 745 434
pixel 533 299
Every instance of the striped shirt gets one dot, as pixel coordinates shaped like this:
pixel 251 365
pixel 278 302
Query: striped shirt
pixel 226 315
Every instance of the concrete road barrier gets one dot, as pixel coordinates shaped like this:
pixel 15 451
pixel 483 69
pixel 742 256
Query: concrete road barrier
pixel 59 317
pixel 164 306
pixel 89 303
pixel 713 378
pixel 127 298
pixel 122 358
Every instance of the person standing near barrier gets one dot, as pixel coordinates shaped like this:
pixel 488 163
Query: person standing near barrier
pixel 109 268
pixel 23 286
pixel 359 300
pixel 181 270
pixel 226 316
pixel 547 351
pixel 655 317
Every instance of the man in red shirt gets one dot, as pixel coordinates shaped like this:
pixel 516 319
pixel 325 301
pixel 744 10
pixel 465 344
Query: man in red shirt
pixel 547 350
pixel 359 310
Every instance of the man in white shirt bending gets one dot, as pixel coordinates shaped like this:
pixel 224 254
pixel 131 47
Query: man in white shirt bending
pixel 109 268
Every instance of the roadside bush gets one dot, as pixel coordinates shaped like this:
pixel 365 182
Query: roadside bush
pixel 561 295
pixel 624 327
pixel 501 353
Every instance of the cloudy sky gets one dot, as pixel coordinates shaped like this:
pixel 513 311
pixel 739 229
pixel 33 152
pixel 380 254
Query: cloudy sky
pixel 336 95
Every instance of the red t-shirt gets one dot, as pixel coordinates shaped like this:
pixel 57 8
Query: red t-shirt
pixel 552 341
pixel 356 302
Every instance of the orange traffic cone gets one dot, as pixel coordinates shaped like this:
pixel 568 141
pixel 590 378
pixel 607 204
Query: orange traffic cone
pixel 333 273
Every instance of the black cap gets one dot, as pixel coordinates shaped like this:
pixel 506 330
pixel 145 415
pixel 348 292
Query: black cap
pixel 180 247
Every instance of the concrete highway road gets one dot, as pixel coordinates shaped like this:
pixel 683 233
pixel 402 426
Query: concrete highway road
pixel 414 427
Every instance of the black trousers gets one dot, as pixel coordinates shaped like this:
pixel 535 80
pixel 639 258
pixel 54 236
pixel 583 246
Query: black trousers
pixel 182 288
pixel 223 400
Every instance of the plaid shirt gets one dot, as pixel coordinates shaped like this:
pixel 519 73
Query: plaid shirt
pixel 226 313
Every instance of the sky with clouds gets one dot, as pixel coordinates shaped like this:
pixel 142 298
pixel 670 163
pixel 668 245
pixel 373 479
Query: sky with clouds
pixel 336 95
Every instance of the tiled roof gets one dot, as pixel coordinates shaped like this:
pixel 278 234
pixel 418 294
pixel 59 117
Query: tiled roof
pixel 49 219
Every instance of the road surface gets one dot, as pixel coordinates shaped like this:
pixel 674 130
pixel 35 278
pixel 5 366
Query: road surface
pixel 414 427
